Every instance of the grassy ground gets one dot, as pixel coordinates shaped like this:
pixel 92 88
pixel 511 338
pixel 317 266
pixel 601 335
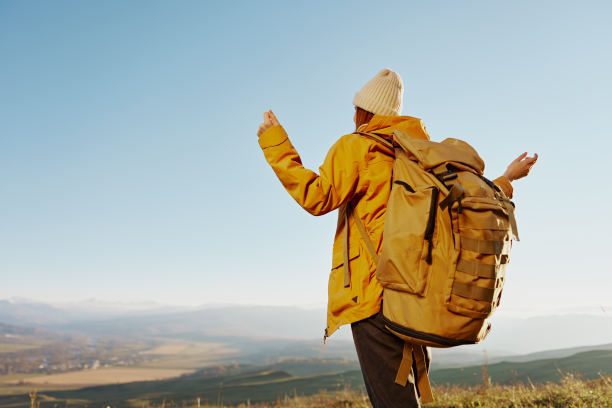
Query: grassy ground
pixel 571 392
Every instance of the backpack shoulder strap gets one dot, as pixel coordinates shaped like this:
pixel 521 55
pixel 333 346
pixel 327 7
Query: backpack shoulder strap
pixel 377 138
pixel 348 212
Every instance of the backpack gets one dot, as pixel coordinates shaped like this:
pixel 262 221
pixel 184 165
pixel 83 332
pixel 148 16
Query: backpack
pixel 446 242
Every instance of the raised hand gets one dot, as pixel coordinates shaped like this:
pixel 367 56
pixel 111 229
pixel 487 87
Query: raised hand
pixel 520 167
pixel 269 121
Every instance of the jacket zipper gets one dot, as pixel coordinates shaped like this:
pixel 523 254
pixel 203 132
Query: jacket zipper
pixel 431 222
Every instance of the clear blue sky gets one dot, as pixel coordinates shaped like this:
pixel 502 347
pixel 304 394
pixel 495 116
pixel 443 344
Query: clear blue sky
pixel 129 162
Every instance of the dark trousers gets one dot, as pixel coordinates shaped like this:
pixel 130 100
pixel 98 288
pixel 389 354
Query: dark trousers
pixel 380 354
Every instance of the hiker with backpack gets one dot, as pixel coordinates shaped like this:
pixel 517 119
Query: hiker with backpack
pixel 442 188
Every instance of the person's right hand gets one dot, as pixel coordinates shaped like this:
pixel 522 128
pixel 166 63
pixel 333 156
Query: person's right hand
pixel 269 121
pixel 520 167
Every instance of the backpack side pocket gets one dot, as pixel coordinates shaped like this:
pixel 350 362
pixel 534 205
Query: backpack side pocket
pixel 484 243
pixel 406 257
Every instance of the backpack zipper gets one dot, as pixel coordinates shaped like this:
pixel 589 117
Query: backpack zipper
pixel 432 338
pixel 405 185
pixel 431 222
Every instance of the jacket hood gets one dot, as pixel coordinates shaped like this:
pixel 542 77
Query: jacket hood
pixel 385 125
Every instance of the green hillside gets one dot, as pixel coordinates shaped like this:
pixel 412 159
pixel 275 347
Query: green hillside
pixel 232 388
pixel 589 364
pixel 235 384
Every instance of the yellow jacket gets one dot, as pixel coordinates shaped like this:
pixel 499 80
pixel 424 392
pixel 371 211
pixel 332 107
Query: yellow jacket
pixel 357 170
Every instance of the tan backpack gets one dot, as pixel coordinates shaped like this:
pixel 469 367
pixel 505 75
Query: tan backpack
pixel 446 242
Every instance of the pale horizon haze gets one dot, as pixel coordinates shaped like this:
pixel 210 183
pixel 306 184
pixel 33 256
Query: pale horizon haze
pixel 130 170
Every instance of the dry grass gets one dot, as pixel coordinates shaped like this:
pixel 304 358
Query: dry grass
pixel 571 392
pixel 346 398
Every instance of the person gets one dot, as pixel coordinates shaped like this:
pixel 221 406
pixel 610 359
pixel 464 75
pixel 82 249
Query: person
pixel 358 170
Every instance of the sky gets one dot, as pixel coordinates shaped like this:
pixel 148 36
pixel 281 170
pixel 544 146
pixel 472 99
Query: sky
pixel 129 163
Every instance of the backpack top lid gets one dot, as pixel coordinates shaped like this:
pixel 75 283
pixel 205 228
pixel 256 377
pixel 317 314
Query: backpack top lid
pixel 432 154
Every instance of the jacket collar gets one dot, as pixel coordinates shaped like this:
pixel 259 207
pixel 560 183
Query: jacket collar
pixel 385 125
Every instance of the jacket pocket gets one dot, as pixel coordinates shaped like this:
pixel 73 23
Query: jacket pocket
pixel 409 240
pixel 338 256
pixel 340 296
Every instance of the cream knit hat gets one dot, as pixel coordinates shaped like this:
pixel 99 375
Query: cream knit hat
pixel 382 95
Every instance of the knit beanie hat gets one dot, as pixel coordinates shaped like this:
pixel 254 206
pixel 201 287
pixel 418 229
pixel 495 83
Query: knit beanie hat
pixel 382 95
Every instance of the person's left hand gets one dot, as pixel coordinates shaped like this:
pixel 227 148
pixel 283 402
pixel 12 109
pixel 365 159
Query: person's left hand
pixel 520 167
pixel 269 121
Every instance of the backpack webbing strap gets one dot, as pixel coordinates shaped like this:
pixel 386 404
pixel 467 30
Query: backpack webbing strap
pixel 365 237
pixel 479 269
pixel 423 378
pixel 379 139
pixel 484 246
pixel 510 209
pixel 345 252
pixel 416 354
pixel 405 367
pixel 455 193
pixel 473 292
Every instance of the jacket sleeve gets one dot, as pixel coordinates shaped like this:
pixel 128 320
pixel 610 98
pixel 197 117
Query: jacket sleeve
pixel 503 183
pixel 336 183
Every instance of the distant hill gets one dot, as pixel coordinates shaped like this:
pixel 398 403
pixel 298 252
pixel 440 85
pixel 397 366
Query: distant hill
pixel 466 355
pixel 509 336
pixel 31 314
pixel 548 354
pixel 540 333
pixel 315 366
pixel 232 387
pixel 234 384
pixel 589 365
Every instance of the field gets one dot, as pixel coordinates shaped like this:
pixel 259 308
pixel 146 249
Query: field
pixel 167 358
pixel 183 354
pixel 101 376
pixel 217 371
pixel 295 381
pixel 570 392
pixel 12 347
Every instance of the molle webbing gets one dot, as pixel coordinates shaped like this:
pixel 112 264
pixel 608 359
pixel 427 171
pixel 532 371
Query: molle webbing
pixel 473 292
pixel 485 246
pixel 480 269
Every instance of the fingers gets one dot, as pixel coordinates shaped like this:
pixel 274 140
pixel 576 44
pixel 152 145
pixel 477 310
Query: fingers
pixel 530 161
pixel 269 120
pixel 521 157
pixel 272 117
pixel 261 129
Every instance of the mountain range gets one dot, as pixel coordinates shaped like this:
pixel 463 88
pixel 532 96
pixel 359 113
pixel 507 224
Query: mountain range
pixel 282 324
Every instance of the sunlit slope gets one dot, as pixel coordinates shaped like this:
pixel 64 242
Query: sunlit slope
pixel 261 385
pixel 589 364
pixel 235 384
